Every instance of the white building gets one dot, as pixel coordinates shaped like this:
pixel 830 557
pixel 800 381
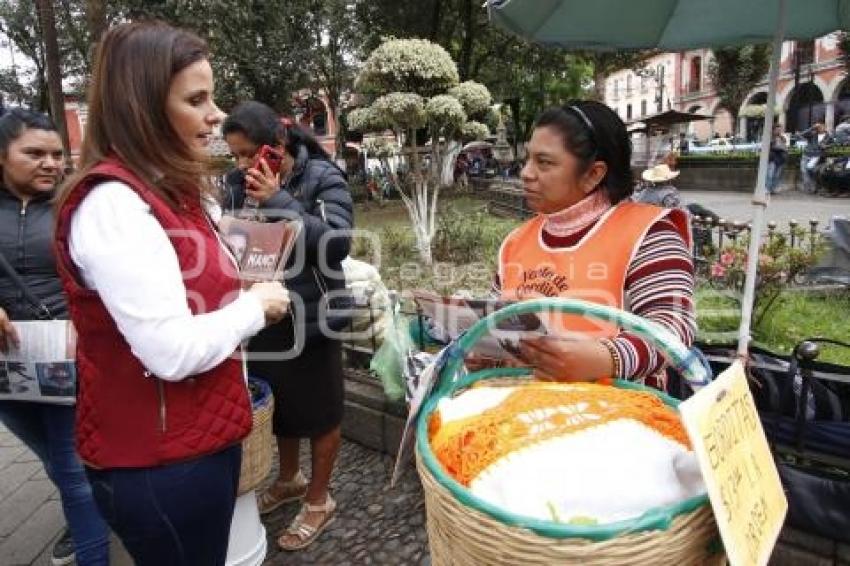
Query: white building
pixel 822 92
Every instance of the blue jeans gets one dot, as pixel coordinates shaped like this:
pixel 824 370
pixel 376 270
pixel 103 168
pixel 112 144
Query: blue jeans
pixel 809 181
pixel 177 514
pixel 48 430
pixel 774 176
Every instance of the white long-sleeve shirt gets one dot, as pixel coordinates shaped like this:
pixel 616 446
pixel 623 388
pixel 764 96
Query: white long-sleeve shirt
pixel 124 254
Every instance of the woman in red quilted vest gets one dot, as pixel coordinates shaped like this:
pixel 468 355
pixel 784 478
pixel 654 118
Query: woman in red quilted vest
pixel 155 297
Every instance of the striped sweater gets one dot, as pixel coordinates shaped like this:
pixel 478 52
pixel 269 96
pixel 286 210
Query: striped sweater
pixel 659 287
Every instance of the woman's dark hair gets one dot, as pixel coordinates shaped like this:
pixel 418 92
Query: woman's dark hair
pixel 593 132
pixel 15 121
pixel 263 126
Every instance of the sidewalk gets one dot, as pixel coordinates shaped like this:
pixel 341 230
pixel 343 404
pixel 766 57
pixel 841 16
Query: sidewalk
pixel 30 512
pixel 374 524
pixel 783 207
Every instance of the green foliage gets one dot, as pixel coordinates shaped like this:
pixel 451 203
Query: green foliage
pixel 259 49
pixel 475 97
pixel 444 114
pixel 779 264
pixel 794 316
pixel 19 23
pixel 380 147
pixel 473 130
pixel 734 71
pixel 402 110
pixel 366 120
pixel 604 63
pixel 464 237
pixel 407 65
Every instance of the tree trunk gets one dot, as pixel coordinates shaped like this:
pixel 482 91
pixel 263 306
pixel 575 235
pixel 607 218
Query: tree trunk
pixel 54 73
pixel 436 21
pixel 96 20
pixel 339 138
pixel 519 131
pixel 599 77
pixel 468 40
pixel 447 175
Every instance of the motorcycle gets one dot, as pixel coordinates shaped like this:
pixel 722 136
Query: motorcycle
pixel 833 175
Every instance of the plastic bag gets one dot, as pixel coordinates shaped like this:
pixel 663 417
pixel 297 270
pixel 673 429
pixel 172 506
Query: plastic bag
pixel 390 360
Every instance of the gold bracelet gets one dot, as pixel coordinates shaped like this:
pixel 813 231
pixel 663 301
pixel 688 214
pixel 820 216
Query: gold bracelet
pixel 615 356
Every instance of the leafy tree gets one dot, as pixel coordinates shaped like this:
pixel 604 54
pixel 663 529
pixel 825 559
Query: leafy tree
pixel 335 40
pixel 531 78
pixel 19 23
pixel 14 90
pixel 734 71
pixel 258 46
pixel 604 63
pixel 414 84
pixel 526 77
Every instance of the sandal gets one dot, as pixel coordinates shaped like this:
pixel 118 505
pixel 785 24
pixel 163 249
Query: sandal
pixel 281 492
pixel 305 532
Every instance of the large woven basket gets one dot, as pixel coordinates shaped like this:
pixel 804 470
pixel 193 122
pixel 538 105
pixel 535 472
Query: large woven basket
pixel 257 447
pixel 465 530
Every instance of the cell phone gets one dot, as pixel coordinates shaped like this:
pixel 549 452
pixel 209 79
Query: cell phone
pixel 273 158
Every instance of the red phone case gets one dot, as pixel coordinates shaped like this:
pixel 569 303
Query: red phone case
pixel 272 157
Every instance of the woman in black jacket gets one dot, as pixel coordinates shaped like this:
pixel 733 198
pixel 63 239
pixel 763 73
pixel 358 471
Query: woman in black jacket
pixel 31 162
pixel 306 372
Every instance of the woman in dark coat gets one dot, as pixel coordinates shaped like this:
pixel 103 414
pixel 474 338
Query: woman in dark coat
pixel 305 371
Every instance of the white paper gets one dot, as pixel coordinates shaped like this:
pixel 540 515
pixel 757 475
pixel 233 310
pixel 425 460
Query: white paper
pixel 454 316
pixel 42 368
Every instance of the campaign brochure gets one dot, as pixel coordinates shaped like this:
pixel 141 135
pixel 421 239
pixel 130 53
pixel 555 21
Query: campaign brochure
pixel 42 367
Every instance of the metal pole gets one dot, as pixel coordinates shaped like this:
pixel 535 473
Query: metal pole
pixel 759 199
pixel 659 75
pixel 812 86
pixel 795 93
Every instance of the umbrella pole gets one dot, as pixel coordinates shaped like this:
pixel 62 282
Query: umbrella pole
pixel 760 197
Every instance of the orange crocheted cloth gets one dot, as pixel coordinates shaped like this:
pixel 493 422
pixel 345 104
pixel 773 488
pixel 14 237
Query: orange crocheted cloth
pixel 538 411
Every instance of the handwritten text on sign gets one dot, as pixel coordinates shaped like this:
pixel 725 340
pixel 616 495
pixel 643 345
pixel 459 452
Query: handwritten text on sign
pixel 737 467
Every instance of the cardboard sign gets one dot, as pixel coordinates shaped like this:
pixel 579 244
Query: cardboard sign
pixel 737 467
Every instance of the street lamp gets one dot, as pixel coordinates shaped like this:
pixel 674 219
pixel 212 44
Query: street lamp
pixel 658 75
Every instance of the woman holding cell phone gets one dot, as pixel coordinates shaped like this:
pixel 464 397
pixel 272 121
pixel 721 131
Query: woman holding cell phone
pixel 283 172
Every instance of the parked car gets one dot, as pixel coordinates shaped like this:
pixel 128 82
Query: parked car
pixel 723 145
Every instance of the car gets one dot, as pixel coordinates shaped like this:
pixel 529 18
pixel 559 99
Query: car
pixel 723 145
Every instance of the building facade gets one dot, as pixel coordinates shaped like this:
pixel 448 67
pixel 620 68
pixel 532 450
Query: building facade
pixel 812 87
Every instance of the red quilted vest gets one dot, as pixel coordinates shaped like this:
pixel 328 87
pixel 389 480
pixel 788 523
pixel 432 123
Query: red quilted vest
pixel 127 418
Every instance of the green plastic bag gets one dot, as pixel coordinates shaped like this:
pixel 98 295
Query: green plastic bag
pixel 389 360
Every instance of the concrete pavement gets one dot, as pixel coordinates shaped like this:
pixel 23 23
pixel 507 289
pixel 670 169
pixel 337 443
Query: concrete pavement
pixel 374 524
pixel 782 207
pixel 30 512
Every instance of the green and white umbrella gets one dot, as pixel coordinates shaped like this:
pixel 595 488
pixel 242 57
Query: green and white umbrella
pixel 676 25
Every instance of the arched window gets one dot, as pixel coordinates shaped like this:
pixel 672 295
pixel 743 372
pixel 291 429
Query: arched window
pixel 805 51
pixel 643 107
pixel 628 111
pixel 320 124
pixel 628 85
pixel 695 80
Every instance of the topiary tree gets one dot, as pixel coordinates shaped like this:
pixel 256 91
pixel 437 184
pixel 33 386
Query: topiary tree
pixel 413 85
